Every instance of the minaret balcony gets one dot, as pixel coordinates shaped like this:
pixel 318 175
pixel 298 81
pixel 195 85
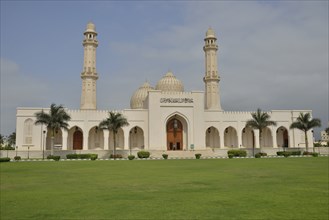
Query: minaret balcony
pixel 92 75
pixel 90 42
pixel 210 46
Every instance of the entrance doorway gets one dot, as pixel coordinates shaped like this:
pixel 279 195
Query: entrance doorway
pixel 174 135
pixel 77 140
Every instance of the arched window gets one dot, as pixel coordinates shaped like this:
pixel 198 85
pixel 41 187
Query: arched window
pixel 28 131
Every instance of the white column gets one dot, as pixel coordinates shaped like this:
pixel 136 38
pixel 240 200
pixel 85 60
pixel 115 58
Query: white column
pixel 85 140
pixel 106 139
pixel 239 133
pixel 221 139
pixel 256 133
pixel 126 139
pixel 274 142
pixel 64 139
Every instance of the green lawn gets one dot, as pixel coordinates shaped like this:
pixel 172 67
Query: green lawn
pixel 277 188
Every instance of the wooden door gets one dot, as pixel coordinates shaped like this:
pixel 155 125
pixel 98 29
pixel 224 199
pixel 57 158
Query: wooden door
pixel 174 135
pixel 77 140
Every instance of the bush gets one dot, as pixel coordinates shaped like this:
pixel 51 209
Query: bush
pixel 286 154
pixel 296 152
pixel 237 153
pixel 56 158
pixel 279 153
pixel 307 153
pixel 143 154
pixel 93 156
pixel 82 156
pixel 17 158
pixel 315 154
pixel 165 156
pixel 4 159
pixel 131 157
pixel 258 155
pixel 197 156
pixel 230 156
pixel 115 156
pixel 263 154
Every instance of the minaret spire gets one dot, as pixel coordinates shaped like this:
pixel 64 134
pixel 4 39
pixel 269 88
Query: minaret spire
pixel 211 79
pixel 89 74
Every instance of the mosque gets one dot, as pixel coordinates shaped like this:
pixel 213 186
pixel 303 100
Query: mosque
pixel 162 118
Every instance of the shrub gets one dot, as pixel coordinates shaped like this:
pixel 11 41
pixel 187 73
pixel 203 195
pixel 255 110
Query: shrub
pixel 56 158
pixel 165 156
pixel 279 153
pixel 315 154
pixel 82 156
pixel 131 157
pixel 230 156
pixel 93 156
pixel 17 158
pixel 286 153
pixel 143 154
pixel 258 155
pixel 237 153
pixel 307 153
pixel 4 159
pixel 296 152
pixel 197 156
pixel 115 156
pixel 263 154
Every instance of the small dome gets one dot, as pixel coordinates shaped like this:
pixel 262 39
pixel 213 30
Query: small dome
pixel 210 33
pixel 169 83
pixel 90 27
pixel 139 96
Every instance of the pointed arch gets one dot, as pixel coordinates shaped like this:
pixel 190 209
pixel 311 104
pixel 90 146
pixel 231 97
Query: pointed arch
pixel 96 138
pixel 28 131
pixel 136 138
pixel 176 132
pixel 119 139
pixel 282 137
pixel 266 138
pixel 212 137
pixel 58 139
pixel 248 137
pixel 230 137
pixel 75 138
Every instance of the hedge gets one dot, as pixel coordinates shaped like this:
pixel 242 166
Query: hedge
pixel 4 159
pixel 143 154
pixel 131 157
pixel 237 153
pixel 82 156
pixel 56 158
pixel 115 156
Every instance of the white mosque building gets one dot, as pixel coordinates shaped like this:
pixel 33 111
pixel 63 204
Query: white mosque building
pixel 161 118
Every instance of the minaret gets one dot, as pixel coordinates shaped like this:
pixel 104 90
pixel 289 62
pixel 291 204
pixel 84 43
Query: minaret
pixel 211 79
pixel 89 74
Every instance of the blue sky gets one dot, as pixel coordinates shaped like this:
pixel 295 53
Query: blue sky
pixel 273 54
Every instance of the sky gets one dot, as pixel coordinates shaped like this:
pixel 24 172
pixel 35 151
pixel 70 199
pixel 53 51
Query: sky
pixel 272 55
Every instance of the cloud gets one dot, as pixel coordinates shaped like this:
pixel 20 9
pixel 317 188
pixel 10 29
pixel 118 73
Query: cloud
pixel 18 89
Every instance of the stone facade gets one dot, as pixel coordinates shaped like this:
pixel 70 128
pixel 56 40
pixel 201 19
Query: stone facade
pixel 161 118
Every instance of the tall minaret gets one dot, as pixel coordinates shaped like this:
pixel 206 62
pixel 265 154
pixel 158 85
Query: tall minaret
pixel 211 79
pixel 89 74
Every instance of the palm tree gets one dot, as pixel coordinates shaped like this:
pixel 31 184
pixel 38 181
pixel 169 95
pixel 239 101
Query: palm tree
pixel 55 120
pixel 260 120
pixel 305 123
pixel 12 139
pixel 113 123
pixel 327 130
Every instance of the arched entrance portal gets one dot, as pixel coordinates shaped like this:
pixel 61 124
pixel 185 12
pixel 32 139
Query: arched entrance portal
pixel 174 134
pixel 77 140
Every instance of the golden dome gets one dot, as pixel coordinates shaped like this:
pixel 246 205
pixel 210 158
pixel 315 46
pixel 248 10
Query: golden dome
pixel 139 96
pixel 169 83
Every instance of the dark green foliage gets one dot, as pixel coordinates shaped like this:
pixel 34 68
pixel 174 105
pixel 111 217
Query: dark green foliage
pixel 7 147
pixel 165 156
pixel 197 156
pixel 53 157
pixel 115 156
pixel 311 153
pixel 237 153
pixel 296 152
pixel 93 156
pixel 315 154
pixel 230 156
pixel 4 159
pixel 143 154
pixel 82 156
pixel 17 158
pixel 131 157
pixel 258 155
pixel 286 154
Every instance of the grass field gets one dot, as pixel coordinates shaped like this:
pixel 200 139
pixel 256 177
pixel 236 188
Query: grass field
pixel 277 188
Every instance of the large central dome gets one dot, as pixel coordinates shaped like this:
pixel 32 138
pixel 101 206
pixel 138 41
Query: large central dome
pixel 169 83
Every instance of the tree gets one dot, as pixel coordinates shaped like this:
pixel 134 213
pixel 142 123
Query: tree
pixel 327 130
pixel 2 139
pixel 260 120
pixel 305 123
pixel 55 120
pixel 12 139
pixel 113 123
